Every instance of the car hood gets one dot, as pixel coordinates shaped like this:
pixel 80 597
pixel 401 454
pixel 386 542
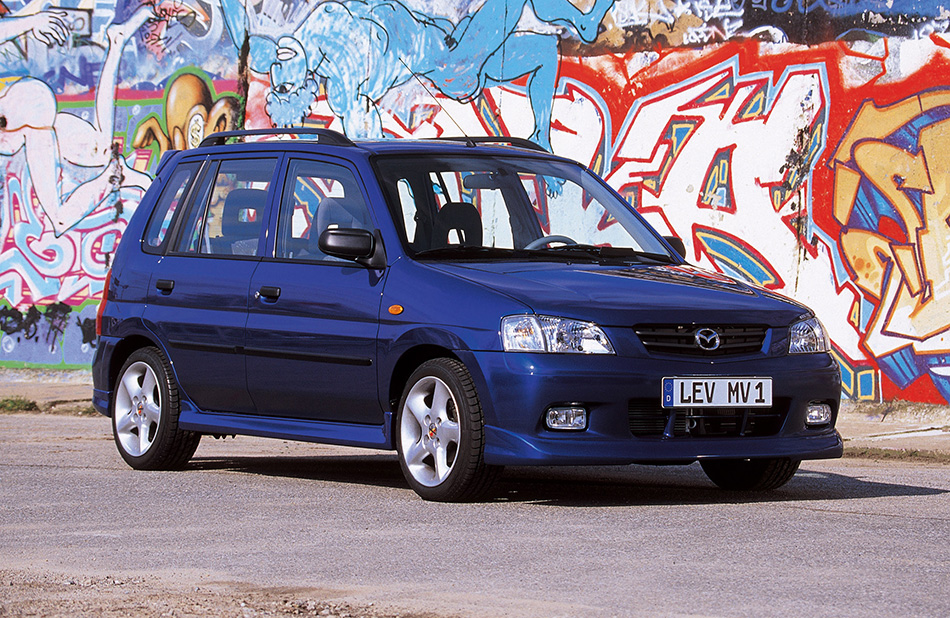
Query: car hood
pixel 630 294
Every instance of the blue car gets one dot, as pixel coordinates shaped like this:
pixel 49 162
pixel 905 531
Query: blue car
pixel 469 303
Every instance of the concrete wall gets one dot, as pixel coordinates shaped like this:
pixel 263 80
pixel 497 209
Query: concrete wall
pixel 800 144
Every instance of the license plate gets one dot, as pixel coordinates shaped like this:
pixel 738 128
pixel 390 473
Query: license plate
pixel 717 392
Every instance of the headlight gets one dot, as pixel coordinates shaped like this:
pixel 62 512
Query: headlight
pixel 807 337
pixel 529 333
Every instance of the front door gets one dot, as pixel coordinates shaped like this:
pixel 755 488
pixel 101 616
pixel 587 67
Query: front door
pixel 313 319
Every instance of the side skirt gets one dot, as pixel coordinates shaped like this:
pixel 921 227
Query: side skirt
pixel 346 434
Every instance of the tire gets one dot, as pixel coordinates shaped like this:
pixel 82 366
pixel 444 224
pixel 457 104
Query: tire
pixel 440 434
pixel 750 474
pixel 145 410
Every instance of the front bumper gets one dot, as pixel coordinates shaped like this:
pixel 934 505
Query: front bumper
pixel 524 386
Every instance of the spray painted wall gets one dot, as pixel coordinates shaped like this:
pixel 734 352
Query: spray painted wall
pixel 799 144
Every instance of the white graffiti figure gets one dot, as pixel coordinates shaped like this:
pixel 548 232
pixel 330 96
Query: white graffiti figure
pixel 30 121
pixel 47 26
pixel 362 49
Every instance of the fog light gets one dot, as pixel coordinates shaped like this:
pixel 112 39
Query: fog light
pixel 818 414
pixel 567 418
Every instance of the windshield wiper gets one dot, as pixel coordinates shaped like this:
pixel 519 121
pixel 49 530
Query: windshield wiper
pixel 608 253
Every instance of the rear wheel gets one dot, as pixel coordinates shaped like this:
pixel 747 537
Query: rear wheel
pixel 440 434
pixel 145 409
pixel 750 474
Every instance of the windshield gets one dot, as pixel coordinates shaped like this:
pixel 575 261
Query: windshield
pixel 491 207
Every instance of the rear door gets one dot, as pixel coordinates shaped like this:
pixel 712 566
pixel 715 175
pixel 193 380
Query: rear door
pixel 199 290
pixel 313 319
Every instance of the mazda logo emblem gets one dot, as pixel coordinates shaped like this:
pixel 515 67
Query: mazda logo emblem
pixel 707 339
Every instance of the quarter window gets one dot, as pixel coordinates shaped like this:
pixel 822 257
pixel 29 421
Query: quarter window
pixel 167 207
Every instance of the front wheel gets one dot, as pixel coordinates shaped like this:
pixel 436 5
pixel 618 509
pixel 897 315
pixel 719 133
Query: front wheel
pixel 145 413
pixel 440 434
pixel 750 474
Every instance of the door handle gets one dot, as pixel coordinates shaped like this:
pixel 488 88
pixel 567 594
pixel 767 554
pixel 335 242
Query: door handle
pixel 269 292
pixel 165 285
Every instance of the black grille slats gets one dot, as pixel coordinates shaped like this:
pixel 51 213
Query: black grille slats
pixel 647 418
pixel 680 340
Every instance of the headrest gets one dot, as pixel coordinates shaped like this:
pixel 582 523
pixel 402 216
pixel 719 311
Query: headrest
pixel 243 212
pixel 462 217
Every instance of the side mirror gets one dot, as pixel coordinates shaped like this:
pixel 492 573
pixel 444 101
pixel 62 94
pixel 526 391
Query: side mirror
pixel 361 246
pixel 678 245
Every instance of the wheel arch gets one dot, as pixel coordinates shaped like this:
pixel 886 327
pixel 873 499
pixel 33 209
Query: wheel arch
pixel 408 362
pixel 123 350
pixel 421 443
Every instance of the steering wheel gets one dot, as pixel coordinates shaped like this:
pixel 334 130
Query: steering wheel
pixel 547 240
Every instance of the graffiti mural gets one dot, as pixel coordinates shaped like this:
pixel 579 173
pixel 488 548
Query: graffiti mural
pixel 796 144
pixel 892 176
pixel 357 51
pixel 76 146
pixel 191 112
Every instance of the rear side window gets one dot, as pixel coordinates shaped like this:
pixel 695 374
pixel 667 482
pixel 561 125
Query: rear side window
pixel 228 212
pixel 168 206
pixel 317 196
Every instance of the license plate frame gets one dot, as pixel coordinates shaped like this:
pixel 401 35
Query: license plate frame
pixel 717 392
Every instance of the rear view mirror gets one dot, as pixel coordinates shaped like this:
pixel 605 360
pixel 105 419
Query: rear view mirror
pixel 481 180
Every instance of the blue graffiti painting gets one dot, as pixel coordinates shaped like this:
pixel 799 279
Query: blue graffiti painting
pixel 361 49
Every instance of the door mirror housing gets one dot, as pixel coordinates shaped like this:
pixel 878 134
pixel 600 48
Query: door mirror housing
pixel 361 246
pixel 678 245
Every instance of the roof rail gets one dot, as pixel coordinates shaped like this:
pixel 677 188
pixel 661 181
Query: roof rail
pixel 519 142
pixel 327 135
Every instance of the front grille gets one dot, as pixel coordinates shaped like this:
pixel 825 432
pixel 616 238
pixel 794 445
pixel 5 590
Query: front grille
pixel 681 339
pixel 648 418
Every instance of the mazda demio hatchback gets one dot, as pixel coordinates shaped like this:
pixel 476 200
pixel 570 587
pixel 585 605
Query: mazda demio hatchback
pixel 469 303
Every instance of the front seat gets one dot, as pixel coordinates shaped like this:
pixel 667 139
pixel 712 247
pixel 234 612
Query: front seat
pixel 461 217
pixel 240 222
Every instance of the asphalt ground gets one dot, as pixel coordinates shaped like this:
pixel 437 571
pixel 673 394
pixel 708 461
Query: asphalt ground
pixel 258 527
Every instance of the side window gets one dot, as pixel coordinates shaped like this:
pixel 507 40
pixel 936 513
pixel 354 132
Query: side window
pixel 408 202
pixel 227 214
pixel 317 196
pixel 496 219
pixel 164 214
pixel 443 195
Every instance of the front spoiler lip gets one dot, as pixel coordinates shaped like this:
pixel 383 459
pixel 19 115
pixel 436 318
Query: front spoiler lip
pixel 506 448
